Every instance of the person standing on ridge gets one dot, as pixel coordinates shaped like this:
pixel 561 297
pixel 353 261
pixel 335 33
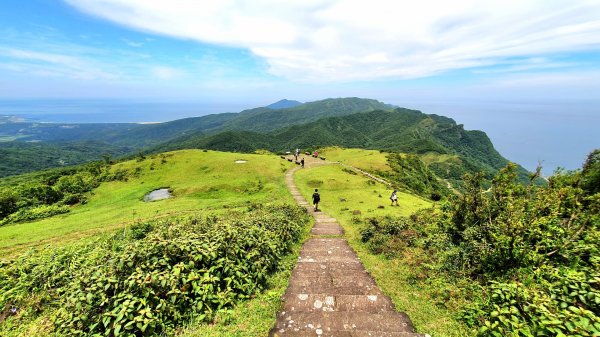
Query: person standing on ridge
pixel 394 198
pixel 316 198
pixel 302 162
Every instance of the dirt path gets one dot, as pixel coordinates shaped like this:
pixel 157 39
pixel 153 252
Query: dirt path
pixel 330 293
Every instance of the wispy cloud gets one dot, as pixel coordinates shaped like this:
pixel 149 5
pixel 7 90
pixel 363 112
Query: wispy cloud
pixel 345 40
pixel 52 64
pixel 133 43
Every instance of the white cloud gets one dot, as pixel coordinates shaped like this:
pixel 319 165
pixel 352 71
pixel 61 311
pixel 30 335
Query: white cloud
pixel 343 40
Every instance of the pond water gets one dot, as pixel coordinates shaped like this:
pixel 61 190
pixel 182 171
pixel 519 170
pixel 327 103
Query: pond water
pixel 159 194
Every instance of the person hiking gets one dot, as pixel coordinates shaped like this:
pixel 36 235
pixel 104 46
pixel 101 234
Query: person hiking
pixel 316 198
pixel 394 198
pixel 302 162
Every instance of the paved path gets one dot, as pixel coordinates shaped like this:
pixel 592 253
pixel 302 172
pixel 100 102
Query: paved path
pixel 330 293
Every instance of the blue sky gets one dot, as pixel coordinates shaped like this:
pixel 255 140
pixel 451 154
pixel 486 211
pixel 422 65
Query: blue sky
pixel 462 56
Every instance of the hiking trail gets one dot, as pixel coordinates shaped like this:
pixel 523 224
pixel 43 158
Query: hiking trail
pixel 330 293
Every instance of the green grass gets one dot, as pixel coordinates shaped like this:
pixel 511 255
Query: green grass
pixel 370 160
pixel 432 157
pixel 394 276
pixel 200 181
pixel 360 194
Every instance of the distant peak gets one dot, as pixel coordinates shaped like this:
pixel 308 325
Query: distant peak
pixel 284 103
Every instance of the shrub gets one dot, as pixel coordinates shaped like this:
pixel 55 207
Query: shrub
pixel 148 279
pixel 35 213
pixel 532 251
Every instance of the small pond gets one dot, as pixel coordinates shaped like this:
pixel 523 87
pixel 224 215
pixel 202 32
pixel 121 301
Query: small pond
pixel 159 194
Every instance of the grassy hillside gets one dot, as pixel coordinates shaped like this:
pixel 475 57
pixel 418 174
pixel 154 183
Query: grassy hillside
pixel 200 181
pixel 368 160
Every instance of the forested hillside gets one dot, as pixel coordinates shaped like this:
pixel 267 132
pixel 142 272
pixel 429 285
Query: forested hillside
pixel 21 157
pixel 400 130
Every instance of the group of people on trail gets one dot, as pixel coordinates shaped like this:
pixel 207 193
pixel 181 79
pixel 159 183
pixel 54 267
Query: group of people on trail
pixel 316 197
pixel 296 154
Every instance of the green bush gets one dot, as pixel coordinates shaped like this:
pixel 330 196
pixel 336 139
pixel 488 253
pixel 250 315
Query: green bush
pixel 150 278
pixel 35 213
pixel 533 252
pixel 562 303
pixel 409 172
pixel 45 195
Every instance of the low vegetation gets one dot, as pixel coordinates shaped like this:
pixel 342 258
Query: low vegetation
pixel 198 180
pixel 150 278
pixel 514 259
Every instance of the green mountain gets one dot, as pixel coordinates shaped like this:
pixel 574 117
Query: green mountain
pixel 148 135
pixel 283 104
pixel 400 130
pixel 265 119
pixel 350 122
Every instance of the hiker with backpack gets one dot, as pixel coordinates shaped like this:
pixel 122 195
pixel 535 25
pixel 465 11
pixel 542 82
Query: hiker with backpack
pixel 316 198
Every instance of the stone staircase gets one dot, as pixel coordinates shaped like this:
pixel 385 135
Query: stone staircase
pixel 330 293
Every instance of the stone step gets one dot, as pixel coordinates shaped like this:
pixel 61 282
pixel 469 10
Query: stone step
pixel 344 321
pixel 334 242
pixel 328 223
pixel 324 218
pixel 324 259
pixel 349 285
pixel 326 272
pixel 356 333
pixel 325 249
pixel 349 266
pixel 327 252
pixel 327 231
pixel 355 279
pixel 325 302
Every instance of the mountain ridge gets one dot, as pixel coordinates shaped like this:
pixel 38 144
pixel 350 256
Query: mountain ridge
pixel 333 121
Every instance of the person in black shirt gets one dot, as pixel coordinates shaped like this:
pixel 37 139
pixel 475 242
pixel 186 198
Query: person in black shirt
pixel 316 198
